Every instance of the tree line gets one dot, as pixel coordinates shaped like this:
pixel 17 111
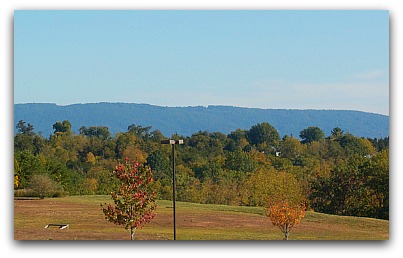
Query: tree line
pixel 340 174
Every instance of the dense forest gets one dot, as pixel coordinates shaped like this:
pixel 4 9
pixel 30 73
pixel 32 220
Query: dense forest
pixel 339 174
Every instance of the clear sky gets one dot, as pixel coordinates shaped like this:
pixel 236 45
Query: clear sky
pixel 263 59
pixel 364 41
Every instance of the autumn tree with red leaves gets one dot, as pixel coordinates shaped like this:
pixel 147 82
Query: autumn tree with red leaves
pixel 134 204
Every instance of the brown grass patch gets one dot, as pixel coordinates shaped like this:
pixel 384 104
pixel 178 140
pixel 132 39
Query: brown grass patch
pixel 194 222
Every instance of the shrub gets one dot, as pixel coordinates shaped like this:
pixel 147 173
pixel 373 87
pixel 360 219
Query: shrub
pixel 43 186
pixel 23 193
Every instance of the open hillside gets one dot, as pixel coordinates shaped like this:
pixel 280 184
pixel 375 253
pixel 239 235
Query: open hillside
pixel 188 120
pixel 194 222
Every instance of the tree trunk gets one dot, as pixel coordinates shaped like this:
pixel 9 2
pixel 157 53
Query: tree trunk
pixel 132 231
pixel 286 232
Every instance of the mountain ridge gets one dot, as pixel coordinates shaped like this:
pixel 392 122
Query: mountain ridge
pixel 117 116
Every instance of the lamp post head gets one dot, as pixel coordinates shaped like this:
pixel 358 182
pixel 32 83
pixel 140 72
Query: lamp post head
pixel 172 142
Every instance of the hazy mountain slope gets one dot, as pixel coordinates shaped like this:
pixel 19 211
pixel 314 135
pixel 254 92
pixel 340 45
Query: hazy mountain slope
pixel 187 120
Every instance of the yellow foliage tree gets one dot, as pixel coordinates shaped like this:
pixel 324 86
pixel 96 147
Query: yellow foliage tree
pixel 16 182
pixel 269 185
pixel 135 153
pixel 280 192
pixel 17 171
pixel 90 158
pixel 91 185
pixel 291 148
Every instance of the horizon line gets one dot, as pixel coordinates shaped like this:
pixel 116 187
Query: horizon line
pixel 205 106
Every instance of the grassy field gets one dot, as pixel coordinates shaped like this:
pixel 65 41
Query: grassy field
pixel 193 222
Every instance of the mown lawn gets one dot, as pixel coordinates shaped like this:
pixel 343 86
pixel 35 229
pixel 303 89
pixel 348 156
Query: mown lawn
pixel 193 222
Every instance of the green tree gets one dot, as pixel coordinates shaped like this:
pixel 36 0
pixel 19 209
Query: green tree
pixel 69 178
pixel 24 129
pixel 105 183
pixel 156 136
pixel 122 141
pixel 280 163
pixel 241 162
pixel 186 185
pixel 356 187
pixel 140 131
pixel 337 132
pixel 160 164
pixel 27 164
pixel 264 136
pixel 237 140
pixel 356 146
pixel 101 132
pixel 311 134
pixel 376 173
pixel 26 139
pixel 209 170
pixel 62 127
pixel 208 145
pixel 380 144
pixel 291 148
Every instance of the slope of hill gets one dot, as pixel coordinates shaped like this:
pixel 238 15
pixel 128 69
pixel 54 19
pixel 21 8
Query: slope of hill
pixel 195 222
pixel 188 120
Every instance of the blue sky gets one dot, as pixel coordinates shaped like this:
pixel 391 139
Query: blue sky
pixel 263 59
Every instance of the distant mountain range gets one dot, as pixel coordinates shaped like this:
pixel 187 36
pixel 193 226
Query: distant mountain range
pixel 188 120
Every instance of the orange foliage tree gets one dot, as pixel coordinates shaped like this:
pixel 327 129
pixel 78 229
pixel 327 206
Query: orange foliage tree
pixel 285 215
pixel 285 202
pixel 135 202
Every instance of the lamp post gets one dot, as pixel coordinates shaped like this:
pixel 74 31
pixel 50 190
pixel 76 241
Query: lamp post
pixel 172 143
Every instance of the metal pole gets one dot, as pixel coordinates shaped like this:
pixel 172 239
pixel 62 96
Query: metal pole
pixel 173 188
pixel 173 142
